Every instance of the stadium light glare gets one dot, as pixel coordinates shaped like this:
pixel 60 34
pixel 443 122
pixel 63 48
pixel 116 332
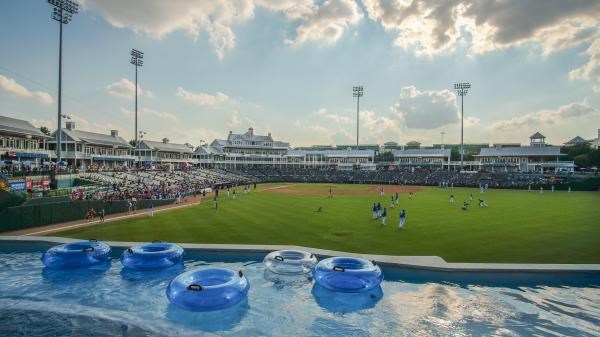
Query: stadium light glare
pixel 62 11
pixel 358 93
pixel 137 60
pixel 462 89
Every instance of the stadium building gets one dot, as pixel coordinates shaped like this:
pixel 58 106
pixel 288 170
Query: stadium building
pixel 332 159
pixel 416 158
pixel 248 150
pixel 22 144
pixel 538 157
pixel 85 150
pixel 164 154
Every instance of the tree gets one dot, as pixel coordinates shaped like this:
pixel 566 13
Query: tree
pixel 385 157
pixel 132 142
pixel 45 130
pixel 582 160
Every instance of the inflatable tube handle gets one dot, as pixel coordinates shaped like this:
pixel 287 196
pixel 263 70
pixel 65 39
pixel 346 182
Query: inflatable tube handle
pixel 156 241
pixel 195 287
pixel 93 240
pixel 279 258
pixel 130 251
pixel 88 249
pixel 241 274
pixel 339 268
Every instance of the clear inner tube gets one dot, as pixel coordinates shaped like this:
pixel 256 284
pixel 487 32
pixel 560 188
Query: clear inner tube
pixel 290 262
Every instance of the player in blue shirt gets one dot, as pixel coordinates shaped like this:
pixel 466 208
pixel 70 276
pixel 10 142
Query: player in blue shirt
pixel 402 219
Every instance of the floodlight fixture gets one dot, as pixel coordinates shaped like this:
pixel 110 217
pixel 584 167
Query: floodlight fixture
pixel 462 89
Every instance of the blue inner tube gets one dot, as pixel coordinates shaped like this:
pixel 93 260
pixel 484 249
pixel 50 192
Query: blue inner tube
pixel 208 289
pixel 155 255
pixel 290 262
pixel 76 254
pixel 348 274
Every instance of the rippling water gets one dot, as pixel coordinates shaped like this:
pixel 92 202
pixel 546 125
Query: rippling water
pixel 109 301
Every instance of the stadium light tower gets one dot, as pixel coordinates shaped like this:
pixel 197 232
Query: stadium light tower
pixel 62 12
pixel 137 60
pixel 358 93
pixel 461 90
pixel 442 133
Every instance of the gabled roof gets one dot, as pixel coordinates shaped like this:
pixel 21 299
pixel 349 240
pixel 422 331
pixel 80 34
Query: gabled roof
pixel 208 150
pixel 20 127
pixel 422 153
pixel 219 142
pixel 520 151
pixel 168 147
pixel 250 136
pixel 95 138
pixel 577 140
pixel 537 135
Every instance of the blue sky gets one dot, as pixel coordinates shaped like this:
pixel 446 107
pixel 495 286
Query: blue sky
pixel 288 67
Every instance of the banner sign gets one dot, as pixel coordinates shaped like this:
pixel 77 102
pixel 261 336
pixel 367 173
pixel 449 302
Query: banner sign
pixel 18 186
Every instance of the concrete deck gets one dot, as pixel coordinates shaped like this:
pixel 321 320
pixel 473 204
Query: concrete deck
pixel 417 262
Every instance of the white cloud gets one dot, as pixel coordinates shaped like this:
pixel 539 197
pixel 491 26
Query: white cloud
pixel 380 129
pixel 429 27
pixel 234 120
pixel 331 117
pixel 328 22
pixel 123 88
pixel 149 94
pixel 201 98
pixel 428 109
pixel 551 117
pixel 217 18
pixel 591 70
pixel 11 87
pixel 150 113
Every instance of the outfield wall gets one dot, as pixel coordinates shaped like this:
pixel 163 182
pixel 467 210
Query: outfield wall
pixel 28 216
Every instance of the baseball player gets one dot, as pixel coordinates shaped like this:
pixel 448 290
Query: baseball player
pixel 402 219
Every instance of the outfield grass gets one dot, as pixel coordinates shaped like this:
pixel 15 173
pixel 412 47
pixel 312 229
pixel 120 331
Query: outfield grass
pixel 518 226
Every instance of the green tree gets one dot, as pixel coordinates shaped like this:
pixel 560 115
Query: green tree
pixel 582 160
pixel 45 130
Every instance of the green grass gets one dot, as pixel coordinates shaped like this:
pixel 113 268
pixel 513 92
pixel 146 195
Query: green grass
pixel 518 226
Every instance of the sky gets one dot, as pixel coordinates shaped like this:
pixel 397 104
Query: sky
pixel 288 67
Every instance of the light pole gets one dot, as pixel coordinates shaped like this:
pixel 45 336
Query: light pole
pixel 358 93
pixel 461 90
pixel 136 60
pixel 62 12
pixel 442 139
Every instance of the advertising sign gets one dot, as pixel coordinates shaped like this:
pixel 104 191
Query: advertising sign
pixel 18 186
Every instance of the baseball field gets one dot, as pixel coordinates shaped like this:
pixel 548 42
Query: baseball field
pixel 517 226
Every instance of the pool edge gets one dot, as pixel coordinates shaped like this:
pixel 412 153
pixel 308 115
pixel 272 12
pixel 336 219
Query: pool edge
pixel 417 262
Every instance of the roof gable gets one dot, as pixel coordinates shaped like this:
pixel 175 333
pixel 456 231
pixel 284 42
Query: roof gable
pixel 19 126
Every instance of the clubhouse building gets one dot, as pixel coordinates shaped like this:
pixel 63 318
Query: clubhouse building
pixel 90 150
pixel 538 157
pixel 22 145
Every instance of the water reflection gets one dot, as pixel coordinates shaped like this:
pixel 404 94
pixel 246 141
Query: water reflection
pixel 346 302
pixel 211 321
